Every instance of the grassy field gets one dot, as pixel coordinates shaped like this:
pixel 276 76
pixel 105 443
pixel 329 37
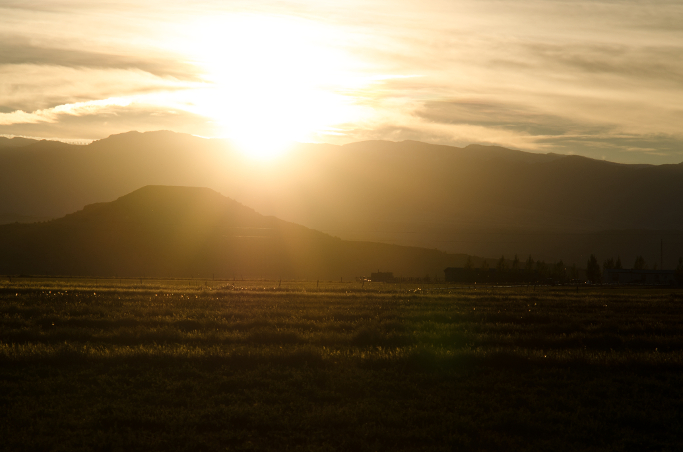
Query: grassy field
pixel 258 365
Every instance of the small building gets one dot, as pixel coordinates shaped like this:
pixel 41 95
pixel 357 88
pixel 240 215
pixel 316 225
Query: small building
pixel 457 274
pixel 382 276
pixel 623 276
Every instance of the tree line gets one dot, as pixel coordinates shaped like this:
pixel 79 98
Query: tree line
pixel 594 274
pixel 531 271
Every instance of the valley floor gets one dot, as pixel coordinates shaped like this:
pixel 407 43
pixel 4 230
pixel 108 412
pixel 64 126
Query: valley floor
pixel 207 365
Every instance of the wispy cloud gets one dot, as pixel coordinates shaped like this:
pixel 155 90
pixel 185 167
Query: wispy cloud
pixel 53 114
pixel 23 51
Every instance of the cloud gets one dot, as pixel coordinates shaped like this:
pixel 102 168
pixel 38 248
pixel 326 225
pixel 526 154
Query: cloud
pixel 21 51
pixel 53 114
pixel 488 113
pixel 32 87
pixel 645 64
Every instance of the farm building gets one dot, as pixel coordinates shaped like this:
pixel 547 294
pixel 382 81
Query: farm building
pixel 622 276
pixel 382 276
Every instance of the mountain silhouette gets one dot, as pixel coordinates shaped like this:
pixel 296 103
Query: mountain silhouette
pixel 15 142
pixel 167 231
pixel 481 200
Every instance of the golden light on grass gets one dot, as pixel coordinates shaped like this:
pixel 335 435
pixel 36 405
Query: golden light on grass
pixel 271 80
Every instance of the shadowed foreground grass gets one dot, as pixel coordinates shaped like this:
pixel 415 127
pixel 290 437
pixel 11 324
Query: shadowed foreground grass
pixel 165 367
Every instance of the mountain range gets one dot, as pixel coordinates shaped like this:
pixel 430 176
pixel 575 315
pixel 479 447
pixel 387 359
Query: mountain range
pixel 480 200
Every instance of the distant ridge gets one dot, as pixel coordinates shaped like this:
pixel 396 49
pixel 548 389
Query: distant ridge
pixel 187 231
pixel 478 199
pixel 15 142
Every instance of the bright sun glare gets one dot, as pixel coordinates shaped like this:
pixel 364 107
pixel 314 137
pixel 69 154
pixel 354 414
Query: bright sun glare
pixel 270 81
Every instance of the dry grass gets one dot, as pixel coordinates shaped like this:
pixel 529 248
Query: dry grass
pixel 340 367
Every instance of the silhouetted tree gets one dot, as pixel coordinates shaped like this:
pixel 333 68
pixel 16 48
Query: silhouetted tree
pixel 502 269
pixel 617 264
pixel 639 264
pixel 608 264
pixel 679 268
pixel 469 269
pixel 469 265
pixel 529 265
pixel 541 269
pixel 575 272
pixel 560 272
pixel 593 269
pixel 501 266
pixel 514 274
pixel 485 270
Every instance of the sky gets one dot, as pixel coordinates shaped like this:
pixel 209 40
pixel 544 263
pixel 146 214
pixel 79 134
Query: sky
pixel 603 79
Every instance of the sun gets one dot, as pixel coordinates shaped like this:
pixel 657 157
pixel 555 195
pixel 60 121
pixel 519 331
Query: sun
pixel 270 81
